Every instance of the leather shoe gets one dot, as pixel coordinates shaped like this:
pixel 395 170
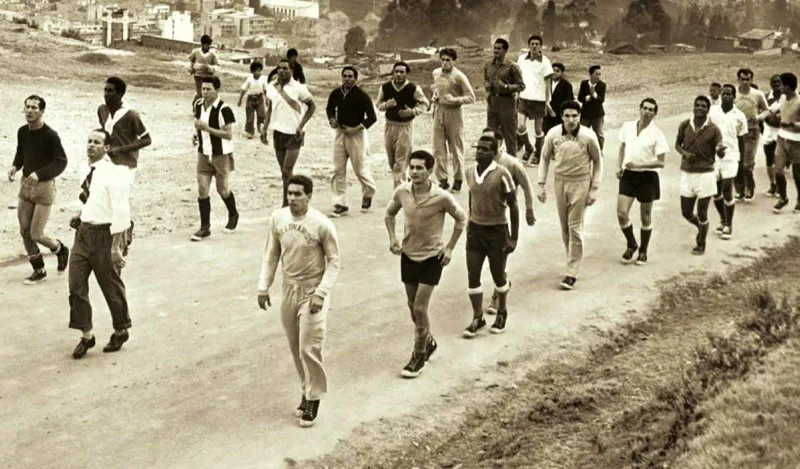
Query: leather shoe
pixel 115 342
pixel 83 346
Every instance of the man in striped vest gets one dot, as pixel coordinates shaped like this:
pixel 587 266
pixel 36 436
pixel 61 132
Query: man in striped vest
pixel 213 122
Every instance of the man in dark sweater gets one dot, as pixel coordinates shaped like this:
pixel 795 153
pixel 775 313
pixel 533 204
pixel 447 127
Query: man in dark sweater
pixel 591 95
pixel 402 101
pixel 351 113
pixel 41 158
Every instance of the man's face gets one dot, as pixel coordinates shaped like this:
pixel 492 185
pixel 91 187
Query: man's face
pixel 557 73
pixel 785 89
pixel 348 79
pixel 96 147
pixel 647 112
pixel 257 73
pixel 292 60
pixel 399 74
pixel 700 109
pixel 595 76
pixel 775 84
pixel 535 47
pixel 745 80
pixel 447 63
pixel 110 95
pixel 498 51
pixel 284 71
pixel 727 96
pixel 417 171
pixel 205 47
pixel 714 92
pixel 297 197
pixel 571 119
pixel 208 92
pixel 484 153
pixel 32 111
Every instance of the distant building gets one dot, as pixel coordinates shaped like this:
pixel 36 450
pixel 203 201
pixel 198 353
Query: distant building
pixel 290 9
pixel 758 39
pixel 178 26
pixel 158 12
pixel 358 9
pixel 117 24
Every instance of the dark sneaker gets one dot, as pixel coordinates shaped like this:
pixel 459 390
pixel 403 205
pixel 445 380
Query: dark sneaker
pixel 473 328
pixel 201 234
pixel 309 413
pixel 414 367
pixel 748 197
pixel 627 256
pixel 366 204
pixel 116 341
pixel 38 276
pixel 63 257
pixel 233 222
pixel 527 155
pixel 780 205
pixel 642 259
pixel 568 283
pixel 432 346
pixel 83 346
pixel 739 196
pixel 727 232
pixel 338 211
pixel 699 250
pixel 298 412
pixel 534 160
pixel 444 184
pixel 720 229
pixel 499 325
pixel 456 186
pixel 772 192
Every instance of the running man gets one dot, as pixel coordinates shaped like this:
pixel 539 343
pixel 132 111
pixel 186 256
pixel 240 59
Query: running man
pixel 491 192
pixel 41 158
pixel 402 101
pixel 787 152
pixel 751 102
pixel 213 124
pixel 592 95
pixel 714 90
pixel 297 68
pixel 502 81
pixel 422 253
pixel 350 112
pixel 772 125
pixel 642 152
pixel 451 90
pixel 203 62
pixel 304 241
pixel 255 88
pixel 289 108
pixel 578 166
pixel 534 100
pixel 732 124
pixel 698 142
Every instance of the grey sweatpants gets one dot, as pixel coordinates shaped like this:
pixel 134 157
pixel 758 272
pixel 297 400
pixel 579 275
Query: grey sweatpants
pixel 448 134
pixel 571 202
pixel 306 335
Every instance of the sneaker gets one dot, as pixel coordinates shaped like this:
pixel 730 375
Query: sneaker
pixel 338 211
pixel 748 197
pixel 568 283
pixel 414 367
pixel 63 257
pixel 492 308
pixel 642 259
pixel 473 328
pixel 727 232
pixel 527 155
pixel 233 222
pixel 739 196
pixel 309 413
pixel 456 186
pixel 772 192
pixel 83 346
pixel 720 229
pixel 699 250
pixel 627 256
pixel 499 325
pixel 201 234
pixel 247 135
pixel 444 185
pixel 534 161
pixel 366 204
pixel 116 341
pixel 298 412
pixel 432 346
pixel 780 205
pixel 38 276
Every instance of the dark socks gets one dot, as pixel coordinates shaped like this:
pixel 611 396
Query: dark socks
pixel 729 214
pixel 205 212
pixel 230 204
pixel 629 236
pixel 645 237
pixel 37 261
pixel 526 142
pixel 719 204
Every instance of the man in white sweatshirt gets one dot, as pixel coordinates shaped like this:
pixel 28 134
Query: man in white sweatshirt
pixel 305 243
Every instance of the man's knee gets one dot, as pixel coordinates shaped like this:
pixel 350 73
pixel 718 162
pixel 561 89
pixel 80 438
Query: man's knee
pixel 25 232
pixel 622 217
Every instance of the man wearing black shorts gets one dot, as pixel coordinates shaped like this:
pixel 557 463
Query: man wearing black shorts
pixel 643 148
pixel 422 253
pixel 491 191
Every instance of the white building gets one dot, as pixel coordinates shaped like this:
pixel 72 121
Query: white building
pixel 158 12
pixel 292 8
pixel 178 26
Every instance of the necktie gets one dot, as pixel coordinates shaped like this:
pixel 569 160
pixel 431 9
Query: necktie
pixel 84 196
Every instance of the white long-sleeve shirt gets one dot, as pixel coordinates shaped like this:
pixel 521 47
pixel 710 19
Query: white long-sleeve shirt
pixel 307 248
pixel 108 197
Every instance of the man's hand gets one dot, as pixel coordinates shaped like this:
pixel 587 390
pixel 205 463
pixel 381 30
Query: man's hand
pixel 721 151
pixel 200 125
pixel 530 219
pixel 117 259
pixel 619 173
pixel 588 98
pixel 405 113
pixel 12 172
pixel 33 176
pixel 239 103
pixel 511 244
pixel 333 123
pixel 447 99
pixel 548 109
pixel 264 301
pixel 394 247
pixel 195 140
pixel 391 103
pixel 592 197
pixel 541 194
pixel 445 255
pixel 499 85
pixel 75 222
pixel 316 304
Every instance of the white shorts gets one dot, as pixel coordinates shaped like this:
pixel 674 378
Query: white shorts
pixel 700 185
pixel 726 168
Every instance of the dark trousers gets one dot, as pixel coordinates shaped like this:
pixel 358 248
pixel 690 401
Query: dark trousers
pixel 549 122
pixel 596 124
pixel 91 252
pixel 198 83
pixel 501 115
pixel 255 110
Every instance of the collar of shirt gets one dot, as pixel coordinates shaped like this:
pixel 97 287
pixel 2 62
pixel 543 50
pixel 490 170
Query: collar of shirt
pixel 480 177
pixel 101 161
pixel 396 88
pixel 213 105
pixel 705 124
pixel 345 93
pixel 574 133
pixel 537 58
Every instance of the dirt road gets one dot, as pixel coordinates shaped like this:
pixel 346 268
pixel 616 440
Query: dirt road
pixel 207 381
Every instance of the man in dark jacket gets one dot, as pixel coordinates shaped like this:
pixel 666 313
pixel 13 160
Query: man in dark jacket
pixel 591 95
pixel 561 93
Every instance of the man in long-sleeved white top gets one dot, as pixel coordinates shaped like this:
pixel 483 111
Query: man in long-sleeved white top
pixel 305 243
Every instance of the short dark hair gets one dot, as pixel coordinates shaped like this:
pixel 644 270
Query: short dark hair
pixel 572 104
pixel 36 97
pixel 714 84
pixel 302 180
pixel 284 60
pixel 594 68
pixel 537 37
pixel 774 77
pixel 789 80
pixel 119 85
pixel 502 42
pixel 256 66
pixel 350 68
pixel 731 87
pixel 559 66
pixel 106 135
pixel 292 53
pixel 401 64
pixel 490 140
pixel 423 155
pixel 651 101
pixel 206 39
pixel 449 52
pixel 745 71
pixel 491 130
pixel 703 99
pixel 215 81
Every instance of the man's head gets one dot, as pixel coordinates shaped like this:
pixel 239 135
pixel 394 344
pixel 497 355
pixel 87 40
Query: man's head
pixel 448 57
pixel 571 115
pixel 420 165
pixel 745 78
pixel 485 150
pixel 595 71
pixel 535 44
pixel 97 145
pixel 292 56
pixel 299 189
pixel 701 107
pixel 558 71
pixel 500 48
pixel 495 134
pixel 210 89
pixel 400 72
pixel 256 68
pixel 34 109
pixel 714 90
pixel 284 69
pixel 349 77
pixel 113 91
pixel 775 83
pixel 205 42
pixel 788 83
pixel 648 109
pixel 728 94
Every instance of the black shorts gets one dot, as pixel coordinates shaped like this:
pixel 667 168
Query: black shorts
pixel 643 186
pixel 490 240
pixel 428 272
pixel 285 142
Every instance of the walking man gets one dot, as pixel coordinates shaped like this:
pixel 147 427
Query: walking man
pixel 643 149
pixel 289 108
pixel 561 93
pixel 451 90
pixel 255 88
pixel 592 95
pixel 575 154
pixel 698 142
pixel 402 101
pixel 751 102
pixel 304 241
pixel 787 152
pixel 203 62
pixel 772 125
pixel 213 124
pixel 422 253
pixel 502 81
pixel 350 112
pixel 491 192
pixel 41 159
pixel 97 248
pixel 732 124
pixel 534 100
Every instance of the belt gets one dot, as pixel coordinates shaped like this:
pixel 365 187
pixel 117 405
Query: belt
pixel 92 226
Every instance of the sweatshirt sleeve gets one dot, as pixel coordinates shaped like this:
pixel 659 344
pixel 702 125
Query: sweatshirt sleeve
pixel 58 163
pixel 19 156
pixel 369 108
pixel 330 245
pixel 269 259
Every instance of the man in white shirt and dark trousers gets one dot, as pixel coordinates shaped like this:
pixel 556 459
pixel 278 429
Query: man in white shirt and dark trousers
pixel 255 89
pixel 304 241
pixel 643 149
pixel 534 100
pixel 98 246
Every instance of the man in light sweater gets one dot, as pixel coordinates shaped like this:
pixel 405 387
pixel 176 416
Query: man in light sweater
pixel 574 152
pixel 304 241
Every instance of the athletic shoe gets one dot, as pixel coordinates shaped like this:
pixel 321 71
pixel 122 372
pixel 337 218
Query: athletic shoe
pixel 499 325
pixel 739 196
pixel 247 135
pixel 493 305
pixel 748 197
pixel 727 232
pixel 797 208
pixel 116 341
pixel 699 250
pixel 627 256
pixel 38 276
pixel 366 203
pixel 720 229
pixel 309 413
pixel 430 348
pixel 444 185
pixel 473 328
pixel 534 160
pixel 414 367
pixel 298 412
pixel 642 259
pixel 63 257
pixel 772 192
pixel 201 234
pixel 568 283
pixel 233 222
pixel 780 205
pixel 527 156
pixel 339 211
pixel 456 186
pixel 83 346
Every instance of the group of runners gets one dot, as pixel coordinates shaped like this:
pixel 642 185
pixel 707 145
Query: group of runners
pixel 717 147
